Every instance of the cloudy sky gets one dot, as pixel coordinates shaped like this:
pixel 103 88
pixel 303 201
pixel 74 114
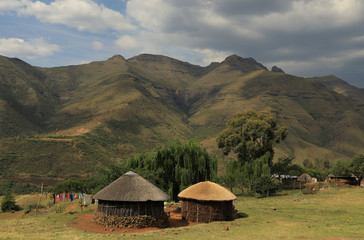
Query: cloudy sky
pixel 303 37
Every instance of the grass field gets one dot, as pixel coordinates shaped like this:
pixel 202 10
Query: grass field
pixel 334 213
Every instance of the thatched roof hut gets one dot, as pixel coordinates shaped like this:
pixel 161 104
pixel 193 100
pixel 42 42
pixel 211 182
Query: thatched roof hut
pixel 131 187
pixel 207 202
pixel 128 197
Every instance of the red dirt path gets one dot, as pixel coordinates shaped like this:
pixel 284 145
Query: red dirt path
pixel 85 222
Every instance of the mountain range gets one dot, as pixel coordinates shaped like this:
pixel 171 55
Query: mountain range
pixel 70 119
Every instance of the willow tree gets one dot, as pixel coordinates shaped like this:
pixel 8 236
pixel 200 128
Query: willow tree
pixel 251 135
pixel 178 165
pixel 256 169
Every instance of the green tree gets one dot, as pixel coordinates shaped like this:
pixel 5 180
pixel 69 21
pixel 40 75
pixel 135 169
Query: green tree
pixel 8 203
pixel 73 185
pixel 230 179
pixel 251 135
pixel 178 165
pixel 256 169
pixel 357 167
pixel 318 168
pixel 284 166
pixel 266 186
pixel 235 177
pixel 341 168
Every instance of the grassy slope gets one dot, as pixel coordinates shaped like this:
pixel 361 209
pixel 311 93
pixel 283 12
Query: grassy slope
pixel 341 87
pixel 108 113
pixel 321 122
pixel 112 109
pixel 25 101
pixel 335 213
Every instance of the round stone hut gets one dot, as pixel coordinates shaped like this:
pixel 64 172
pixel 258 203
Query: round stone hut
pixel 131 201
pixel 206 202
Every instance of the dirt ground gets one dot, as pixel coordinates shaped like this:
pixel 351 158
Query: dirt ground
pixel 84 222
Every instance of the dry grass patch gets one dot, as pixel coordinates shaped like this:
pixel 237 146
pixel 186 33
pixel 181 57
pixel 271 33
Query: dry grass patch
pixel 336 213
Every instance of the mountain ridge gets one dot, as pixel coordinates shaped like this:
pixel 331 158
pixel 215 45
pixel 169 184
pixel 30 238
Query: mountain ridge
pixel 108 110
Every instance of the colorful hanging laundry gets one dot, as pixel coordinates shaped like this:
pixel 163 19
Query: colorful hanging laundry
pixel 58 199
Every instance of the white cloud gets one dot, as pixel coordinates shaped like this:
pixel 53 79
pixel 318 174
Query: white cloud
pixel 84 15
pixel 9 5
pixel 96 45
pixel 127 42
pixel 33 48
pixel 150 14
pixel 209 56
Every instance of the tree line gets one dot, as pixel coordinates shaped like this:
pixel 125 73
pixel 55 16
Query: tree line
pixel 250 135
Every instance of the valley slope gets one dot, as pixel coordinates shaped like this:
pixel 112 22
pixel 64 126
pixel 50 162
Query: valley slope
pixel 68 120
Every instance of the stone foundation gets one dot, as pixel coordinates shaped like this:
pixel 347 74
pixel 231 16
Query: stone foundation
pixel 141 221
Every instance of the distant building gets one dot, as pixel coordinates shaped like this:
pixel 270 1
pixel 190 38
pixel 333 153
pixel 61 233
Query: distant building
pixel 339 180
pixel 288 181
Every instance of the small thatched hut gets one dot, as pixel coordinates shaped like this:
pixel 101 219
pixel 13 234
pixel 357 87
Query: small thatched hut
pixel 207 202
pixel 130 201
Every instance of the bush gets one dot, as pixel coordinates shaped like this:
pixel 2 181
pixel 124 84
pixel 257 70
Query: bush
pixel 266 186
pixel 8 203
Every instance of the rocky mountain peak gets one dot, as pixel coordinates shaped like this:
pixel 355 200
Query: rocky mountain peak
pixel 277 69
pixel 244 64
pixel 116 58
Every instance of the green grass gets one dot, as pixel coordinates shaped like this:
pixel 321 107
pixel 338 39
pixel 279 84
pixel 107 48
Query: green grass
pixel 334 213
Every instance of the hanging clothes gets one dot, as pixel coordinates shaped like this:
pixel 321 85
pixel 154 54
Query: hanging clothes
pixel 58 199
pixel 86 199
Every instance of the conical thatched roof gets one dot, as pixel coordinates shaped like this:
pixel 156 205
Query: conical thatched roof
pixel 131 187
pixel 207 191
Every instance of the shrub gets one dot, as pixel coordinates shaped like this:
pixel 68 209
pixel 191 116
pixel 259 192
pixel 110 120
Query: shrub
pixel 8 203
pixel 266 186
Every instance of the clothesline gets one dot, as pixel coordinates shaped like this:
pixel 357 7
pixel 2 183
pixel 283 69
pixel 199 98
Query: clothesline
pixel 86 199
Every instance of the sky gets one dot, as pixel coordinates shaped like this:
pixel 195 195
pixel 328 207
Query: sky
pixel 303 37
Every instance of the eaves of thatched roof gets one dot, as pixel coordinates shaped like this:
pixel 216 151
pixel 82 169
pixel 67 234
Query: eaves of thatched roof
pixel 207 191
pixel 131 187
